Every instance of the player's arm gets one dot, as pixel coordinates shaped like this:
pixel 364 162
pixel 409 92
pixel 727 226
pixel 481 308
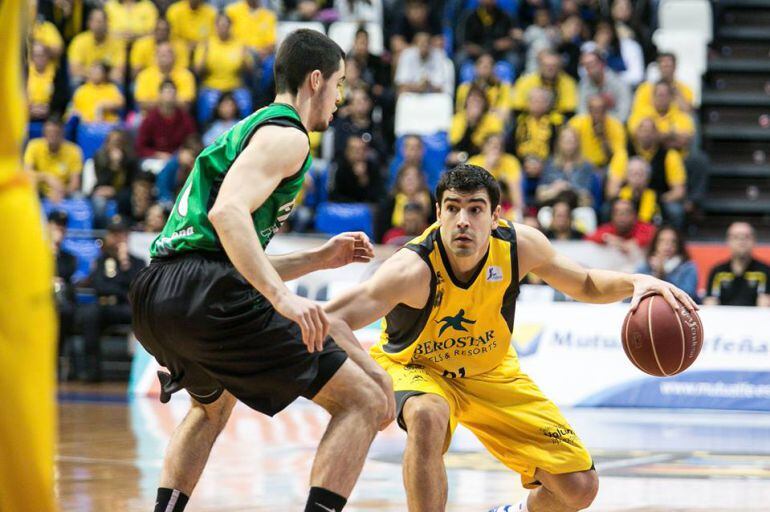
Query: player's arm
pixel 274 153
pixel 536 254
pixel 340 250
pixel 402 279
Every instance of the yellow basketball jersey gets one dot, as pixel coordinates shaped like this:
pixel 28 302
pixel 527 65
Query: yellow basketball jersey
pixel 13 106
pixel 465 328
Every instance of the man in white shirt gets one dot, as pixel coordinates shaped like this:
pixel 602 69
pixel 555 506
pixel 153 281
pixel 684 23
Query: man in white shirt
pixel 423 68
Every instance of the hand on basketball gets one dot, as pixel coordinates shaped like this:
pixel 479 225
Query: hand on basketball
pixel 345 248
pixel 647 285
pixel 310 317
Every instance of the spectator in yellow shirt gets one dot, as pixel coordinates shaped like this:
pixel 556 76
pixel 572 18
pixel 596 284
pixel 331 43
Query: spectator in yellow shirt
pixel 220 62
pixel 549 76
pixel 537 127
pixel 130 19
pixel 676 127
pixel 471 126
pixel 40 77
pixel 144 50
pixel 53 162
pixel 254 26
pixel 506 169
pixel 668 176
pixel 498 93
pixel 98 100
pixel 638 191
pixel 48 35
pixel 602 137
pixel 148 81
pixel 192 21
pixel 683 95
pixel 96 45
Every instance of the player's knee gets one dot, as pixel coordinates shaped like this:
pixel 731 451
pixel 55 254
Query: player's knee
pixel 367 399
pixel 426 417
pixel 215 414
pixel 583 489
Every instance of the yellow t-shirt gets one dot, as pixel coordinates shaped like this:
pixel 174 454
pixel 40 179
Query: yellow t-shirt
pixel 191 26
pixel 84 50
pixel 673 120
pixel 46 33
pixel 143 53
pixel 222 61
pixel 643 95
pixel 508 167
pixel 490 124
pixel 591 146
pixel 255 29
pixel 648 202
pixel 565 92
pixel 63 164
pixel 498 96
pixel 89 97
pixel 137 19
pixel 40 84
pixel 148 84
pixel 536 137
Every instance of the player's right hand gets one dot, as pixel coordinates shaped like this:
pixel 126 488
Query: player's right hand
pixel 310 317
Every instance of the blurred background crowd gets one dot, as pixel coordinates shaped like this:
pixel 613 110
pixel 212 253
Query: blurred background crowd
pixel 586 122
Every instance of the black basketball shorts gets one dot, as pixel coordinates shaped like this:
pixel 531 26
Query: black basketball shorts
pixel 203 321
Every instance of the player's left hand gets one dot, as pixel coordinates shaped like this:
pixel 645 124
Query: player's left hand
pixel 345 248
pixel 648 285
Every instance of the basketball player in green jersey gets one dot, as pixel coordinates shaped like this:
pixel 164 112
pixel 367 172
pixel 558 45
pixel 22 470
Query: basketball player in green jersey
pixel 214 309
pixel 449 301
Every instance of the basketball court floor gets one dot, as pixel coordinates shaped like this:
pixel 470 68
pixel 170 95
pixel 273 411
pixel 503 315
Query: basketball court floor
pixel 111 449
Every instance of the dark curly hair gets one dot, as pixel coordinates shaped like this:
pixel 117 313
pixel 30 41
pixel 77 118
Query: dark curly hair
pixel 469 178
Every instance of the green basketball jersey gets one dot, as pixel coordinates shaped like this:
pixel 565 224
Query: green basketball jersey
pixel 188 227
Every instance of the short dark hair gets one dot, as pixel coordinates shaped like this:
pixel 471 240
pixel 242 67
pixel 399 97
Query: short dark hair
pixel 469 178
pixel 302 52
pixel 667 55
pixel 681 242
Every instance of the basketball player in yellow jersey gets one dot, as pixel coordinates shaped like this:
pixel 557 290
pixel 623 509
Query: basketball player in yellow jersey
pixel 449 298
pixel 27 319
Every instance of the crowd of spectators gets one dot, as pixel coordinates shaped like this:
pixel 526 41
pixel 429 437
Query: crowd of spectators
pixel 551 97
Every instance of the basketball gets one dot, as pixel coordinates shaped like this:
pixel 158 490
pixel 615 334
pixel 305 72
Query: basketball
pixel 660 341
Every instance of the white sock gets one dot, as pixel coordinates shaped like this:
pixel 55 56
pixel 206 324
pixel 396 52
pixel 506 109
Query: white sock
pixel 522 506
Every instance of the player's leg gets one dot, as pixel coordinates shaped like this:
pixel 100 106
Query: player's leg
pixel 190 445
pixel 427 423
pixel 27 356
pixel 568 492
pixel 527 432
pixel 357 406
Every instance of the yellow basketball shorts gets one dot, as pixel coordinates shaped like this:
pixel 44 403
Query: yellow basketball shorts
pixel 505 410
pixel 27 355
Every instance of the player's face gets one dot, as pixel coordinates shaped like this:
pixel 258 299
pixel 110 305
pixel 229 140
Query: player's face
pixel 466 220
pixel 326 98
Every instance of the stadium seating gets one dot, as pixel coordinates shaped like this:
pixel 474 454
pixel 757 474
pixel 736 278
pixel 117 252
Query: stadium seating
pixel 91 136
pixel 344 33
pixel 287 27
pixel 436 150
pixel 85 250
pixel 80 213
pixel 334 218
pixel 691 15
pixel 423 114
